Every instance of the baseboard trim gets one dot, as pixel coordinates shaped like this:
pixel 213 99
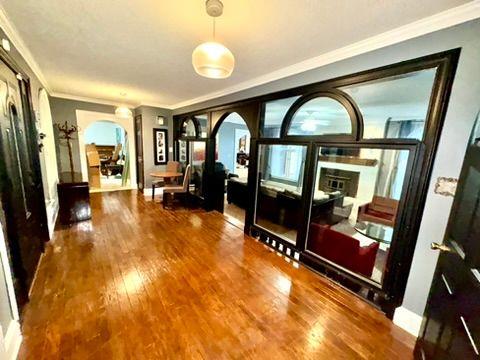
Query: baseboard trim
pixel 13 340
pixel 52 214
pixel 407 320
pixel 35 275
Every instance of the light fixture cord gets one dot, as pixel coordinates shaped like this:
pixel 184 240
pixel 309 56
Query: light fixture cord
pixel 213 29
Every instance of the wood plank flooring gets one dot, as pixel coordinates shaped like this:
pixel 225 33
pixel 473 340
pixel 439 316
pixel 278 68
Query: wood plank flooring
pixel 140 282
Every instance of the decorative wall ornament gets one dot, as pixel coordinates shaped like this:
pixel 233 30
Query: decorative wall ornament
pixel 446 186
pixel 160 146
pixel 66 133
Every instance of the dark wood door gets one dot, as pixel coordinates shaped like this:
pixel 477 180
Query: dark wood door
pixel 20 183
pixel 139 151
pixel 451 325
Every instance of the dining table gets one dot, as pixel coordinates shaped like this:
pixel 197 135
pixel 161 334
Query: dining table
pixel 163 175
pixel 166 174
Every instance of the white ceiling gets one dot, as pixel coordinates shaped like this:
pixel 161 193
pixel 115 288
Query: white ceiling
pixel 99 49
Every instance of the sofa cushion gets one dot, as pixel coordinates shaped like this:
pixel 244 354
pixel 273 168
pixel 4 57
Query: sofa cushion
pixel 342 249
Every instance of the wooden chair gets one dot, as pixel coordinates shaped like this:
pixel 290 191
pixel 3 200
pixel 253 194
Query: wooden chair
pixel 93 161
pixel 110 166
pixel 172 166
pixel 171 190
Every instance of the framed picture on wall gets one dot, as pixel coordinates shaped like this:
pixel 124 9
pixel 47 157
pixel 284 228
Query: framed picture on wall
pixel 160 146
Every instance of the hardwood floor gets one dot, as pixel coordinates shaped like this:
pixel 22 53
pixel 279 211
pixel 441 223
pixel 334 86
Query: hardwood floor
pixel 140 282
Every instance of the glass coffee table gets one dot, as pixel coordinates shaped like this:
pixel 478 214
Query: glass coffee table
pixel 378 232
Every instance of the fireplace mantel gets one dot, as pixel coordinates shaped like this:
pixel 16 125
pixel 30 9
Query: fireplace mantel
pixel 353 160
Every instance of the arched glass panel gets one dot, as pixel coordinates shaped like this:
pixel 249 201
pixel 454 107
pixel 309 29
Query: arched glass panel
pixel 188 128
pixel 202 122
pixel 321 116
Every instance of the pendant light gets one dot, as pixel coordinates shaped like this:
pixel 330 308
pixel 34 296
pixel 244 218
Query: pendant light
pixel 123 112
pixel 212 59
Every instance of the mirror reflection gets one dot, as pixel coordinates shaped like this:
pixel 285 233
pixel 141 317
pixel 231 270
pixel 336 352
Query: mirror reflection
pixel 280 189
pixel 188 129
pixel 320 116
pixel 355 205
pixel 197 160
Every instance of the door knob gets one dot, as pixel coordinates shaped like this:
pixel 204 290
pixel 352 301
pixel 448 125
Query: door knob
pixel 441 247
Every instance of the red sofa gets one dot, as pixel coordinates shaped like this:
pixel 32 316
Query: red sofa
pixel 342 249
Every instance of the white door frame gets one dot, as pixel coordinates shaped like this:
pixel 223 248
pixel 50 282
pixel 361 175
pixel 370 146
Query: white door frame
pixel 85 119
pixel 48 159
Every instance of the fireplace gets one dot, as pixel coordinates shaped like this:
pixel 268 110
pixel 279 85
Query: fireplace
pixel 339 180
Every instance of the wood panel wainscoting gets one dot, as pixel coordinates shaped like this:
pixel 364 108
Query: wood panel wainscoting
pixel 140 282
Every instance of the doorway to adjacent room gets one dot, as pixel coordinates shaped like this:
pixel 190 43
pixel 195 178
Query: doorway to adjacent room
pixel 232 157
pixel 106 151
pixel 106 154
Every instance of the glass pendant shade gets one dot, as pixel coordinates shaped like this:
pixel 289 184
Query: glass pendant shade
pixel 123 112
pixel 213 60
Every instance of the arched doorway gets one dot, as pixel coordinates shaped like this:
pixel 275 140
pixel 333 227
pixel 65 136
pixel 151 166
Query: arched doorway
pixel 90 123
pixel 107 140
pixel 232 150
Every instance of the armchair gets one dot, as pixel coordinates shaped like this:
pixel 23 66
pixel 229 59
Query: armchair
pixel 380 210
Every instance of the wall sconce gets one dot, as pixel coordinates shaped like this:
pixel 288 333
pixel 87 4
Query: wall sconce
pixel 160 120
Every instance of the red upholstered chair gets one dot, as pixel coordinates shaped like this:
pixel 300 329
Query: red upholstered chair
pixel 342 249
pixel 381 211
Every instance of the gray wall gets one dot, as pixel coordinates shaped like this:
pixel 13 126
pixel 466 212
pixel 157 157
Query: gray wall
pixel 226 146
pixel 463 107
pixel 149 122
pixel 64 110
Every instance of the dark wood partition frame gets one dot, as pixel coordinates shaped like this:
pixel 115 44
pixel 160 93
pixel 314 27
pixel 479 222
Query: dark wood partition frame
pixel 344 99
pixel 422 153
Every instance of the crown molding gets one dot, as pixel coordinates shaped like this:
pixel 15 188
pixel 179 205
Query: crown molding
pixel 442 20
pixel 92 100
pixel 157 105
pixel 15 38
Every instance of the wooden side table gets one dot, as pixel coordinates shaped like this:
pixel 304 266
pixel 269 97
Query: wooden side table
pixel 73 199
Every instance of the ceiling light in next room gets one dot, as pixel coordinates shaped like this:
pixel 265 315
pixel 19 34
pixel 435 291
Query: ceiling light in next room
pixel 123 112
pixel 212 59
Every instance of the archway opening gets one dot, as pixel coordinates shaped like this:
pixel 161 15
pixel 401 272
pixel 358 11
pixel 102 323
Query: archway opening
pixel 232 156
pixel 107 154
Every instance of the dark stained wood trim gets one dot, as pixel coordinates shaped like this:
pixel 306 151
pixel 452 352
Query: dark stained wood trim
pixel 139 144
pixel 420 162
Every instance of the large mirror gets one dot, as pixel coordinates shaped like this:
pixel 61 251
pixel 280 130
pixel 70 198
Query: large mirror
pixel 188 129
pixel 321 116
pixel 394 107
pixel 197 161
pixel 280 189
pixel 273 114
pixel 355 205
